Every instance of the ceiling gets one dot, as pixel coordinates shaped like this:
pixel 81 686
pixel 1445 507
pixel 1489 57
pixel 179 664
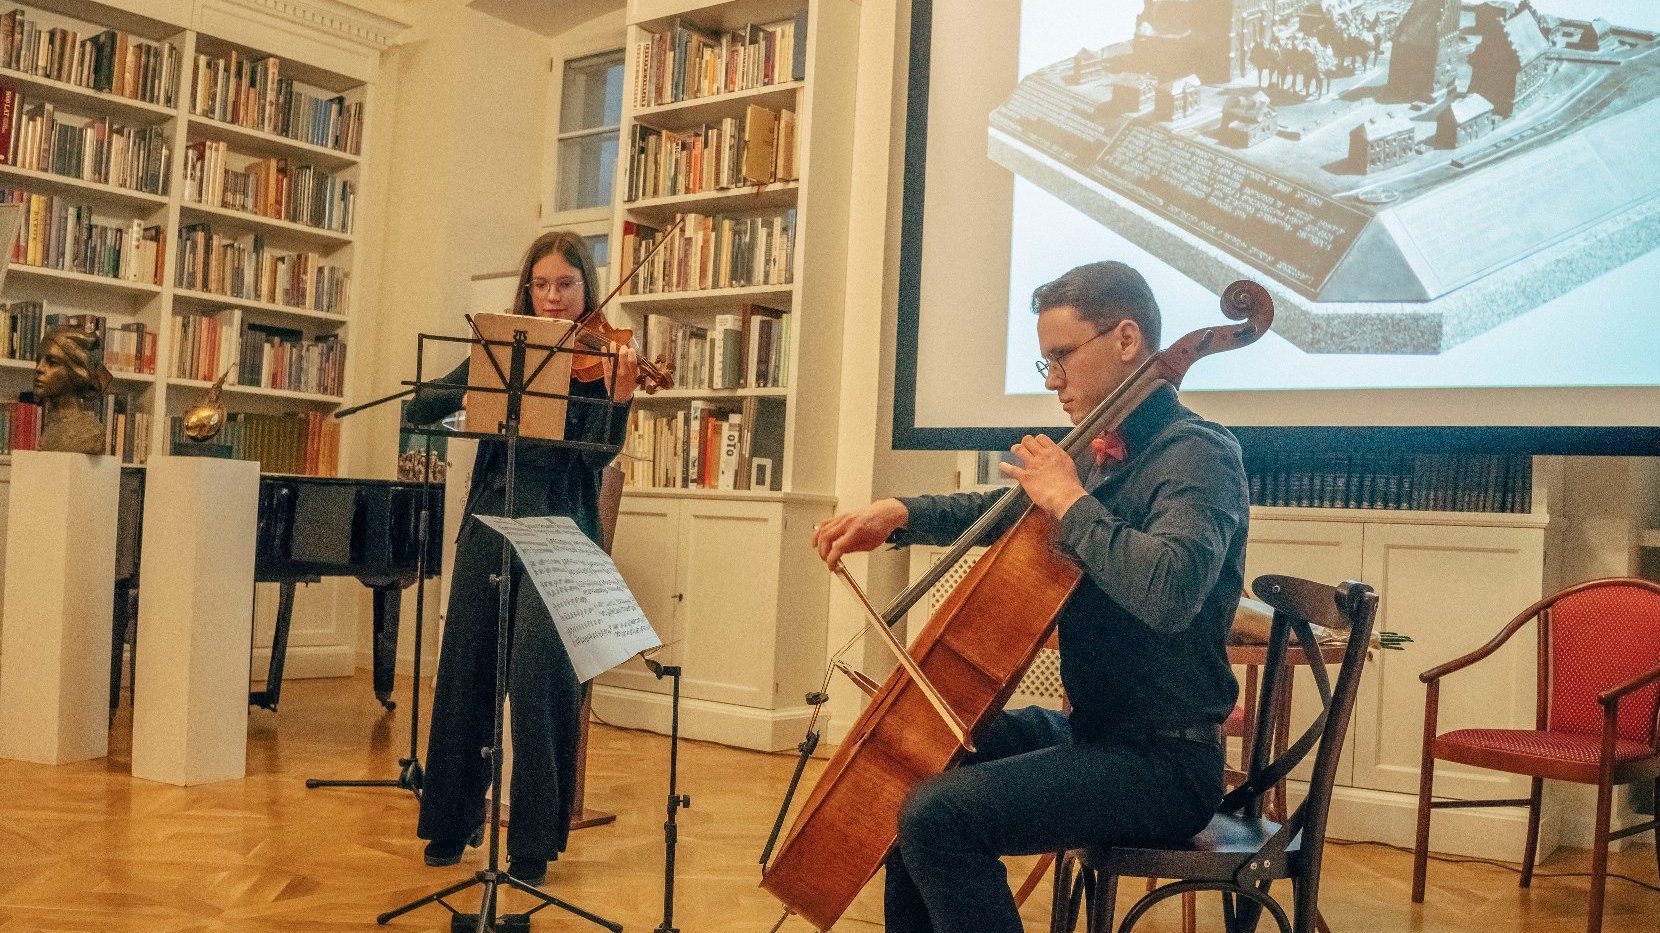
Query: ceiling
pixel 548 17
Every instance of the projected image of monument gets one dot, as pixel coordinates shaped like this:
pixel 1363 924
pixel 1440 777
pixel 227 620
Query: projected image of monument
pixel 1407 173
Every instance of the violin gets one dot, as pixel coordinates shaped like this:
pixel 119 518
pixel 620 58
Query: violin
pixel 598 335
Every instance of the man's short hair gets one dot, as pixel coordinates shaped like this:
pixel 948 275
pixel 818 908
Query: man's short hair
pixel 1104 293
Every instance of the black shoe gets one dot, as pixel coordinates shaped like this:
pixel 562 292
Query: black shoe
pixel 532 871
pixel 442 852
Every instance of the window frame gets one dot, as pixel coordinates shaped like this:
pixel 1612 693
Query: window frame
pixel 588 220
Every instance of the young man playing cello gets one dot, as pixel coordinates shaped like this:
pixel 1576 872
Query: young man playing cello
pixel 1158 523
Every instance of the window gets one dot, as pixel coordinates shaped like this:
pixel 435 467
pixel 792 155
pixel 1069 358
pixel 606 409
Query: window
pixel 600 246
pixel 590 110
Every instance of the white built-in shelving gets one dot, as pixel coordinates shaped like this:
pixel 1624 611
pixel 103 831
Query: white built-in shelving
pixel 324 60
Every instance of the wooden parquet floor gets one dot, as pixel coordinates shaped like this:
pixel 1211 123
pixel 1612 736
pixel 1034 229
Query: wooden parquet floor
pixel 85 847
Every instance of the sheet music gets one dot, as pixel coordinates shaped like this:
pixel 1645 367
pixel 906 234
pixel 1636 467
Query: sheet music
pixel 592 608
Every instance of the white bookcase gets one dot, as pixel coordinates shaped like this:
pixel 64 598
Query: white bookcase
pixel 328 46
pixel 328 49
pixel 726 575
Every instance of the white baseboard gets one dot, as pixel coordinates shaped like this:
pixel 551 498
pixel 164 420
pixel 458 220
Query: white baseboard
pixel 1498 833
pixel 740 726
pixel 304 661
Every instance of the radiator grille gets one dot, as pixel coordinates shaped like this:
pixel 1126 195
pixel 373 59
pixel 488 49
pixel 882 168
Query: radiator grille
pixel 1042 684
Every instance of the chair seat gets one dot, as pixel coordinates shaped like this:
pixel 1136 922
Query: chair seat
pixel 1215 854
pixel 1562 756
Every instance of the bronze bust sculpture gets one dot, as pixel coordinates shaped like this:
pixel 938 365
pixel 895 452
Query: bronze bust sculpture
pixel 69 382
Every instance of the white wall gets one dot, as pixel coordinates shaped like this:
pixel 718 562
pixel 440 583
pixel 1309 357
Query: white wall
pixel 467 98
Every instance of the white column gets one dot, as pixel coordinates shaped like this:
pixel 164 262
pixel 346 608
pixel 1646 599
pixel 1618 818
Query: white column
pixel 195 605
pixel 59 599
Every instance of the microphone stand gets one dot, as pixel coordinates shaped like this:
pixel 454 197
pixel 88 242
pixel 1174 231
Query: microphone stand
pixel 676 799
pixel 409 767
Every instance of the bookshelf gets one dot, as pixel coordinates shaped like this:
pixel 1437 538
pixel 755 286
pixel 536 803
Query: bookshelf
pixel 240 128
pixel 755 152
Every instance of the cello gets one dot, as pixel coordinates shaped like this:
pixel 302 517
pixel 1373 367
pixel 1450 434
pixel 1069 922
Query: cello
pixel 973 650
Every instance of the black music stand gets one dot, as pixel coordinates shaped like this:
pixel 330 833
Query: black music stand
pixel 671 825
pixel 409 767
pixel 513 385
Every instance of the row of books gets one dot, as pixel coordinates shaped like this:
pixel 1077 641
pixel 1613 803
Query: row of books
pixel 241 267
pixel 251 92
pixel 60 234
pixel 19 426
pixel 22 324
pixel 711 252
pixel 273 188
pixel 1431 482
pixel 687 63
pixel 306 443
pixel 203 345
pixel 281 358
pixel 32 137
pixel 744 350
pixel 260 355
pixel 757 149
pixel 128 347
pixel 111 62
pixel 706 446
pixel 126 427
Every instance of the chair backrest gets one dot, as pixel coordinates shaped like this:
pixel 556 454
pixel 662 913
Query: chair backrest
pixel 1348 609
pixel 610 504
pixel 1595 636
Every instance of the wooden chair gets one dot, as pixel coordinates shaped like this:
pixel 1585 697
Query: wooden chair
pixel 1241 853
pixel 610 505
pixel 1598 689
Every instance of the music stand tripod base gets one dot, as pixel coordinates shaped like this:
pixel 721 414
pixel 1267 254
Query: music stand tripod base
pixel 509 923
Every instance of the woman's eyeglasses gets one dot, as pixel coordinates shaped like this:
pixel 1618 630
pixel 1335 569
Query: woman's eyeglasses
pixel 543 286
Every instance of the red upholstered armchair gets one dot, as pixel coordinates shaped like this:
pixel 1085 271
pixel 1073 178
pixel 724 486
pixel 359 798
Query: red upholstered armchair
pixel 1599 684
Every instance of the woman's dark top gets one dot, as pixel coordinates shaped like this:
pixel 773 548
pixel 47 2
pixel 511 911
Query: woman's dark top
pixel 549 480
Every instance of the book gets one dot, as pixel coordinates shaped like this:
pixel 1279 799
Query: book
pixel 731 449
pixel 760 145
pixel 765 460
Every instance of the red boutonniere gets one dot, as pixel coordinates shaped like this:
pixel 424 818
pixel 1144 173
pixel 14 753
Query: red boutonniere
pixel 1109 446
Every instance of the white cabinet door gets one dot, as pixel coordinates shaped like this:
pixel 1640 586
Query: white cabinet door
pixel 1325 552
pixel 648 535
pixel 1451 588
pixel 728 571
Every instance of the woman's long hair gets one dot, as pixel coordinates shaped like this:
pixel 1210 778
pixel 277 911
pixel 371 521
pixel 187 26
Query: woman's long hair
pixel 575 250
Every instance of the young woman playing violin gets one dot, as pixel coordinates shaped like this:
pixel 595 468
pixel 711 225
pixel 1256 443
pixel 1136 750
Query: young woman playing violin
pixel 556 279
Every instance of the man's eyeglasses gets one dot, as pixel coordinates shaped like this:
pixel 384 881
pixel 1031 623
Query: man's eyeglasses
pixel 543 286
pixel 1044 365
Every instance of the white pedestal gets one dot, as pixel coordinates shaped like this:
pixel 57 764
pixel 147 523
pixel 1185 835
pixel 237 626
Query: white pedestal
pixel 59 599
pixel 190 702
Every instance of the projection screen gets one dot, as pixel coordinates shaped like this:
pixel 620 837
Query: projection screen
pixel 1455 205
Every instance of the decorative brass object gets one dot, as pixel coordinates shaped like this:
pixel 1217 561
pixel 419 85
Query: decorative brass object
pixel 203 422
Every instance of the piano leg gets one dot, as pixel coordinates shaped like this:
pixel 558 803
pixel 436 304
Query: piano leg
pixel 118 640
pixel 268 697
pixel 388 604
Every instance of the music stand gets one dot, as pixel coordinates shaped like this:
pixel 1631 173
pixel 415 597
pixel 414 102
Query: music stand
pixel 409 767
pixel 513 383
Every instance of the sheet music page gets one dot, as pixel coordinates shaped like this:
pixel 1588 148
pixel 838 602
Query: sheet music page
pixel 596 615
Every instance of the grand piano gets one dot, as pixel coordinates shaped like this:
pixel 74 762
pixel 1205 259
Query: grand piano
pixel 309 527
